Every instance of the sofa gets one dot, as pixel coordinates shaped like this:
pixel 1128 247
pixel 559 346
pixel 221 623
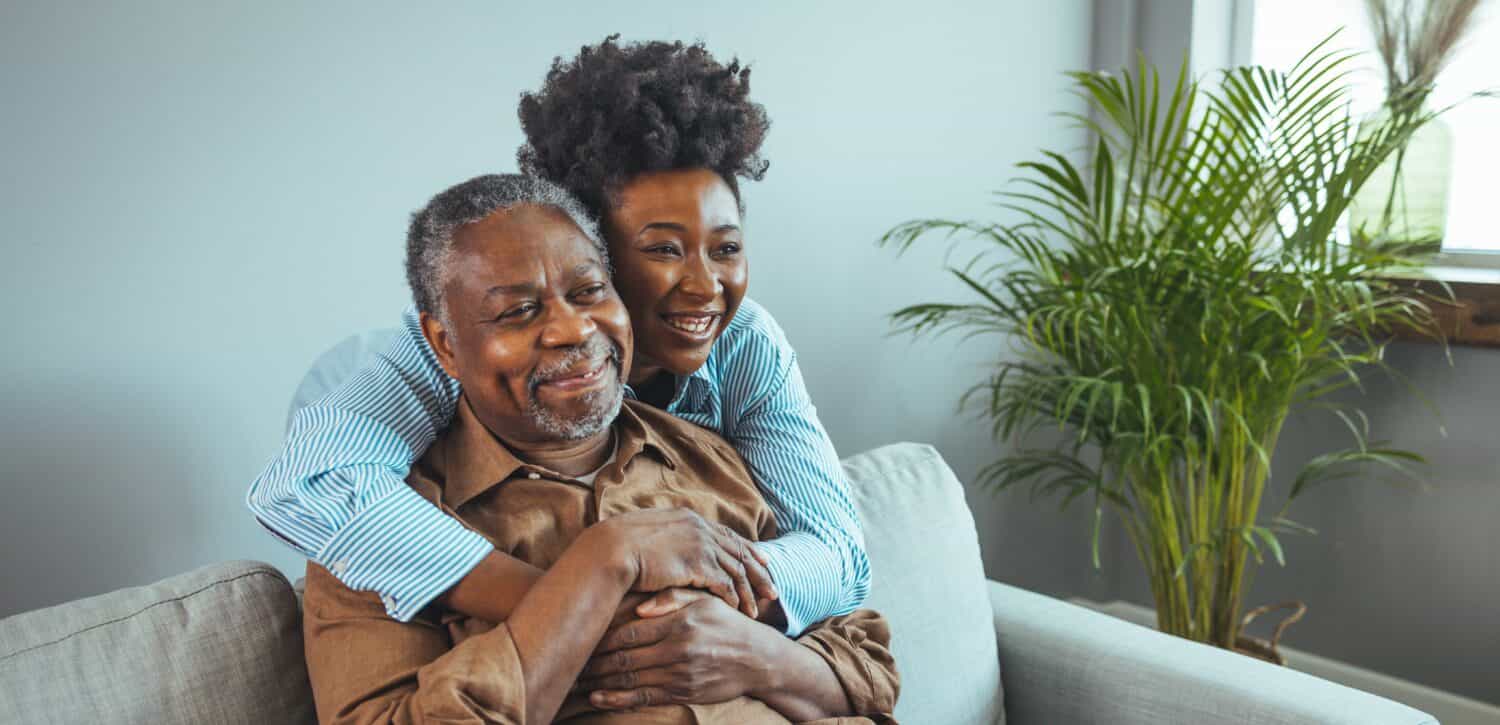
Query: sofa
pixel 223 644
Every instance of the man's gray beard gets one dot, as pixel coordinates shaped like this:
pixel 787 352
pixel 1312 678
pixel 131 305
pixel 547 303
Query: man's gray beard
pixel 604 405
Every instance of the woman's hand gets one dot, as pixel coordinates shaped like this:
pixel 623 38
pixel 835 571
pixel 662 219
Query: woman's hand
pixel 677 548
pixel 703 652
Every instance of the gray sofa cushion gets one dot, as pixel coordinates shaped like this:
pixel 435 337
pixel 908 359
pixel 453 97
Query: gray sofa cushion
pixel 222 644
pixel 928 580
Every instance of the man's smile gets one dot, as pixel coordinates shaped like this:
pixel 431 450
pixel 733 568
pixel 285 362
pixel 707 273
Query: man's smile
pixel 581 377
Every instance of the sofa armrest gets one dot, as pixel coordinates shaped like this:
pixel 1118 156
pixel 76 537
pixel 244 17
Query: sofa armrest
pixel 1064 663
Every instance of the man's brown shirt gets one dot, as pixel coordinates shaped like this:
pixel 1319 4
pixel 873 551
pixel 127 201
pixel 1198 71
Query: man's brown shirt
pixel 446 667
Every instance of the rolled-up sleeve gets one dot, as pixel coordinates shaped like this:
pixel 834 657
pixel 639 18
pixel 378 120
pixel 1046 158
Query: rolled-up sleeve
pixel 337 494
pixel 856 647
pixel 368 668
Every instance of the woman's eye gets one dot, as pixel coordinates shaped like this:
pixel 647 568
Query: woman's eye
pixel 728 249
pixel 666 249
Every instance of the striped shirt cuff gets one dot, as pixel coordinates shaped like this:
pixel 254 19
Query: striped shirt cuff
pixel 405 549
pixel 807 578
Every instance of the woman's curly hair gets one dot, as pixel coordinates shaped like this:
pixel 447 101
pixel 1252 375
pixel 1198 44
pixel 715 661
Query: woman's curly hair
pixel 616 111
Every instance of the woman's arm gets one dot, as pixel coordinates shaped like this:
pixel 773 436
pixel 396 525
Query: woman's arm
pixel 818 563
pixel 338 485
pixel 337 493
pixel 339 481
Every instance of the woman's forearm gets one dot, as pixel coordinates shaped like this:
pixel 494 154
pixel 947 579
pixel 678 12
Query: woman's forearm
pixel 798 683
pixel 559 621
pixel 492 590
pixel 339 478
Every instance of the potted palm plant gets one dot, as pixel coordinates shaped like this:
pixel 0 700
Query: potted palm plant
pixel 1171 302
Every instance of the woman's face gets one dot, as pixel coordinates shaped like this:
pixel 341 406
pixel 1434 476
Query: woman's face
pixel 680 265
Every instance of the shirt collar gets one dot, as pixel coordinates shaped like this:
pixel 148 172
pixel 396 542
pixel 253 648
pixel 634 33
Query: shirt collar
pixel 695 383
pixel 471 461
pixel 699 377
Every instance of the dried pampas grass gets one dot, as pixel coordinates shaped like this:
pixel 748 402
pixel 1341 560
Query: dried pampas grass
pixel 1416 39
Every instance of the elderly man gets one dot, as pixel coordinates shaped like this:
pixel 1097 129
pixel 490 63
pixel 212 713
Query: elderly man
pixel 609 498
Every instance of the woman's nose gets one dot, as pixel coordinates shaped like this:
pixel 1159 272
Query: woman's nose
pixel 700 280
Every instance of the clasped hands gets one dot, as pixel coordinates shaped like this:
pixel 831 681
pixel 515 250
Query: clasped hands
pixel 688 632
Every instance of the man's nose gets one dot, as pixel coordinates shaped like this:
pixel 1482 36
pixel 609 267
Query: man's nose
pixel 566 326
pixel 700 280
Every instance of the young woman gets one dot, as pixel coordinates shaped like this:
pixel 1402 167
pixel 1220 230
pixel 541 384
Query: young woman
pixel 654 138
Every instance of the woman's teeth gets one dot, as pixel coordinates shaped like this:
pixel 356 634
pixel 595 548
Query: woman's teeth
pixel 691 324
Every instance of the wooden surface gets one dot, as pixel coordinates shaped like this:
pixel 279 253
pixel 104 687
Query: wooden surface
pixel 1474 319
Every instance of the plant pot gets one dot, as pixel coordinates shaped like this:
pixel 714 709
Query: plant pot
pixel 1264 649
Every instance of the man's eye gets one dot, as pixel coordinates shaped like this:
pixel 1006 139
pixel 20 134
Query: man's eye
pixel 591 292
pixel 517 312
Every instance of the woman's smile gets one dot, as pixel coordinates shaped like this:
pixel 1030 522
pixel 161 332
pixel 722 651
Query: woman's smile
pixel 695 326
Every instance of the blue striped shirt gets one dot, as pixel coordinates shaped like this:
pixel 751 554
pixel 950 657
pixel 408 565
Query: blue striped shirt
pixel 337 491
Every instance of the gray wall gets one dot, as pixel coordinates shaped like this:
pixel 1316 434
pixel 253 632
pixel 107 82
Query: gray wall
pixel 198 200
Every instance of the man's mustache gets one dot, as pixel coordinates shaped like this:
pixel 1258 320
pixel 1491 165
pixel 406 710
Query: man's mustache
pixel 596 347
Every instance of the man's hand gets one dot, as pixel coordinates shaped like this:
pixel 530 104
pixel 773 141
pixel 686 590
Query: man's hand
pixel 677 548
pixel 667 601
pixel 701 652
pixel 630 607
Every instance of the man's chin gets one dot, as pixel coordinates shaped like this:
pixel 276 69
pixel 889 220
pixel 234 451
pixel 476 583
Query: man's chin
pixel 599 410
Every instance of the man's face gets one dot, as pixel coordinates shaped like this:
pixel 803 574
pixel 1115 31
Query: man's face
pixel 537 335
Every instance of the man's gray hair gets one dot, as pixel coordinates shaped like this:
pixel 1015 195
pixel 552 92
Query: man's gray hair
pixel 429 242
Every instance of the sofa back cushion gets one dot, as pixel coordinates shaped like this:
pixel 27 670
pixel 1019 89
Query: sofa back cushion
pixel 927 579
pixel 222 644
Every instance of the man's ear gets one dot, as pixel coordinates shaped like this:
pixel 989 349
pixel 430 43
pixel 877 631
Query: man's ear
pixel 440 339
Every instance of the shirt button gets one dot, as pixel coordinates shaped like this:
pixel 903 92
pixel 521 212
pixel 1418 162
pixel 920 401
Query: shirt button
pixel 533 475
pixel 389 602
pixel 339 567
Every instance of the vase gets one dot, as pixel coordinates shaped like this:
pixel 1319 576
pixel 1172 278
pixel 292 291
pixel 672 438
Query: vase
pixel 1407 196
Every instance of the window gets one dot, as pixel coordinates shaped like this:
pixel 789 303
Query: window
pixel 1283 30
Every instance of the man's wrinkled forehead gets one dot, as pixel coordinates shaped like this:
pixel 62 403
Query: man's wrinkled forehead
pixel 510 253
pixel 531 287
